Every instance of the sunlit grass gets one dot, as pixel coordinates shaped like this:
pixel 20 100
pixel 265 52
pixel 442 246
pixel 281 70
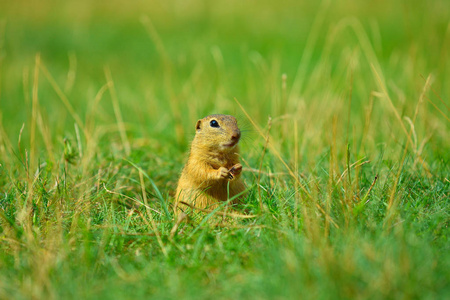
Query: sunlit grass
pixel 345 114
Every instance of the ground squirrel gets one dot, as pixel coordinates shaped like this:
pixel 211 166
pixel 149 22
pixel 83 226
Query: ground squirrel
pixel 212 172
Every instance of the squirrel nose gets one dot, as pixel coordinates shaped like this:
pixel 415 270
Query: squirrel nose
pixel 236 135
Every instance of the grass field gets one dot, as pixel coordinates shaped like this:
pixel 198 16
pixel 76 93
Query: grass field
pixel 346 148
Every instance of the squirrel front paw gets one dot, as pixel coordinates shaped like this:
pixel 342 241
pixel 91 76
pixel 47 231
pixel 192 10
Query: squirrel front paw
pixel 236 170
pixel 223 173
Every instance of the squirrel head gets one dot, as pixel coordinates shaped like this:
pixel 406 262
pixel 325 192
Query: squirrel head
pixel 219 132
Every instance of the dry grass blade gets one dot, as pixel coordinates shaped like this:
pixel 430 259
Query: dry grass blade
pixel 354 165
pixel 436 93
pixel 63 98
pixel 168 74
pixel 34 110
pixel 220 213
pixel 181 217
pixel 308 51
pixel 272 147
pixel 117 112
pixel 397 115
pixel 278 155
pixel 438 109
pixel 268 174
pixel 132 199
pixel 150 216
pixel 365 199
pixel 269 125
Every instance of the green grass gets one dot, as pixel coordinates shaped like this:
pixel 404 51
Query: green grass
pixel 98 104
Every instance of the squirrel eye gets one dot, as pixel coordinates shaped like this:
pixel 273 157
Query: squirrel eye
pixel 214 123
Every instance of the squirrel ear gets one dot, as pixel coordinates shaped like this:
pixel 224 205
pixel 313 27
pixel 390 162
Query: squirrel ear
pixel 199 122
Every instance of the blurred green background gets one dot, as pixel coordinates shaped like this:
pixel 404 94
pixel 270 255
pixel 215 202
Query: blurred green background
pixel 199 55
pixel 352 96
